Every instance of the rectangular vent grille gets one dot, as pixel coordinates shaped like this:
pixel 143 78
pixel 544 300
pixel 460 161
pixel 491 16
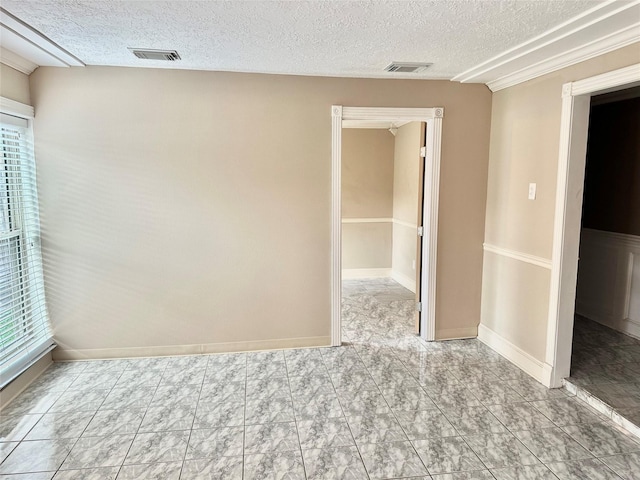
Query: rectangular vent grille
pixel 407 67
pixel 170 55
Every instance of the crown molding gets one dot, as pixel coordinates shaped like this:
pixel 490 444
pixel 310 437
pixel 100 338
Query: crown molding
pixel 17 62
pixel 599 47
pixel 26 42
pixel 601 29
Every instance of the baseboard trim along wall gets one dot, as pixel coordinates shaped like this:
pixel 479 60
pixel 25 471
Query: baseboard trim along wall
pixel 26 378
pixel 456 333
pixel 402 279
pixel 534 367
pixel 167 350
pixel 350 273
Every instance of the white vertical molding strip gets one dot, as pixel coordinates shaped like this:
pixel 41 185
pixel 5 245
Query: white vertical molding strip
pixel 336 225
pixel 628 284
pixel 558 236
pixel 430 221
pixel 566 234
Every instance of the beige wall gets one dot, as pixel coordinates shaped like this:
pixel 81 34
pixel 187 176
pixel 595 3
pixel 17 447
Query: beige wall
pixel 406 183
pixel 525 130
pixel 366 246
pixel 367 173
pixel 14 85
pixel 367 192
pixel 186 207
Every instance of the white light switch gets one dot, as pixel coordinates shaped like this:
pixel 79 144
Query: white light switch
pixel 532 191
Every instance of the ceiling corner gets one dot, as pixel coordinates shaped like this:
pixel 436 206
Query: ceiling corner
pixel 27 47
pixel 15 61
pixel 606 27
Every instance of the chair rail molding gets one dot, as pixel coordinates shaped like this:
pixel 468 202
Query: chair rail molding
pixel 522 257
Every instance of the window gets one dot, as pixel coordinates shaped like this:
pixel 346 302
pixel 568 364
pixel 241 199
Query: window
pixel 24 324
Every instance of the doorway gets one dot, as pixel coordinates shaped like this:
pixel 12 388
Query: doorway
pixel 576 103
pixel 606 334
pixel 427 219
pixel 382 188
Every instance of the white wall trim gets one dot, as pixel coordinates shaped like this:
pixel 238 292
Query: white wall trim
pixel 26 40
pixel 585 52
pixel 402 223
pixel 367 220
pixel 16 108
pixel 336 225
pixel 603 28
pixel 433 119
pixel 366 273
pixel 430 211
pixel 391 114
pixel 405 281
pixel 625 239
pixel 375 124
pixel 16 61
pixel 534 367
pixel 198 349
pixel 395 221
pixel 609 306
pixel 568 212
pixel 523 257
pixel 609 81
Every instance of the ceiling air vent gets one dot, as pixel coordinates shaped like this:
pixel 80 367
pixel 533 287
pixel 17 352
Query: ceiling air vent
pixel 148 54
pixel 407 67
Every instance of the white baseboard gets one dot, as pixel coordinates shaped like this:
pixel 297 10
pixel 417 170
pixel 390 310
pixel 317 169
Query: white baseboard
pixel 402 279
pixel 534 367
pixel 166 350
pixel 348 273
pixel 457 333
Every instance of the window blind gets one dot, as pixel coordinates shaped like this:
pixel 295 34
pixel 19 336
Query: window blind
pixel 25 333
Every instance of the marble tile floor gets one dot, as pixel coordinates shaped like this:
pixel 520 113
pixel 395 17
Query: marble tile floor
pixel 605 371
pixel 380 407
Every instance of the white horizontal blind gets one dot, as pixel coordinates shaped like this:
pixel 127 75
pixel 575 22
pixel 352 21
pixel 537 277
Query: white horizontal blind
pixel 25 333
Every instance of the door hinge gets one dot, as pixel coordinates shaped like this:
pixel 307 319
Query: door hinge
pixel 423 152
pixel 418 306
pixel 421 231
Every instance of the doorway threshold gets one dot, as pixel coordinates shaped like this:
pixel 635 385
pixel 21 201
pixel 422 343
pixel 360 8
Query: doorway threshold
pixel 605 372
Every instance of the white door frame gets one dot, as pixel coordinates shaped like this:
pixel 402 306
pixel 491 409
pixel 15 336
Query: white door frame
pixel 433 119
pixel 576 100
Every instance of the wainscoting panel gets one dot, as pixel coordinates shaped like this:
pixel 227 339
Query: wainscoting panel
pixel 609 280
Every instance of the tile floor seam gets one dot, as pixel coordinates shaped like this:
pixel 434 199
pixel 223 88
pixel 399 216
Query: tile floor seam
pixel 86 426
pixel 344 416
pixel 195 412
pixel 395 417
pixel 139 426
pixel 244 411
pixel 295 417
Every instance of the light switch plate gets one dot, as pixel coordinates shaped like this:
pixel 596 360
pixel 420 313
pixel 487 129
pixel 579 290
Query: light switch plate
pixel 532 191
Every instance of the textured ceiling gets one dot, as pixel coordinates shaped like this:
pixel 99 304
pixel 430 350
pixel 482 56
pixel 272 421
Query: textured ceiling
pixel 340 38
